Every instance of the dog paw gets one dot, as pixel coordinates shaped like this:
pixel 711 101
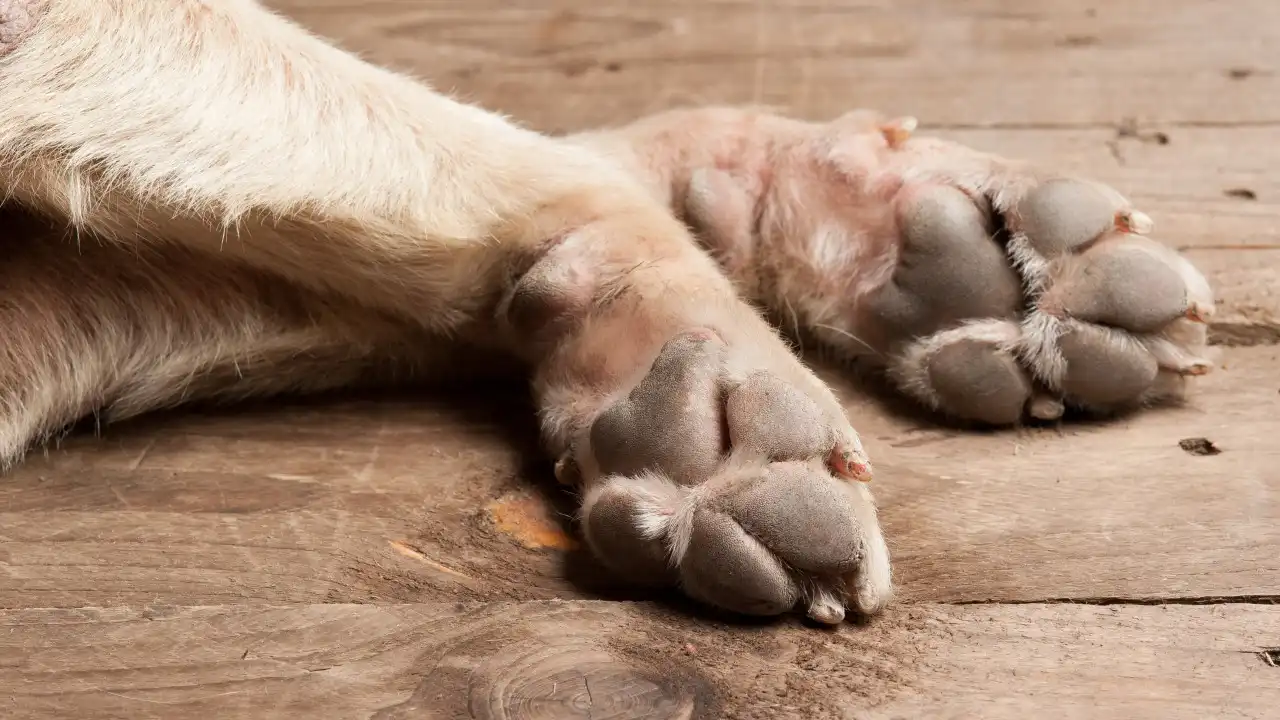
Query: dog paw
pixel 1026 297
pixel 727 477
pixel 990 290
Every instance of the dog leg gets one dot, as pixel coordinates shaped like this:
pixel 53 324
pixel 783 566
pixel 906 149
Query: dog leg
pixel 100 329
pixel 221 128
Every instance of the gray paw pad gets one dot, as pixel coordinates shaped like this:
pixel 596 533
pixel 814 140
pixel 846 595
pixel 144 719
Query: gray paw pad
pixel 1121 284
pixel 1063 214
pixel 948 268
pixel 1076 309
pixel 791 496
pixel 671 421
pixel 537 305
pixel 554 293
pixel 768 415
pixel 716 475
pixel 1104 368
pixel 611 528
pixel 974 380
pixel 728 568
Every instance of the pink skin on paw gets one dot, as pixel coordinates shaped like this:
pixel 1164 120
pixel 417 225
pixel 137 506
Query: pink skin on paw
pixel 849 464
pixel 1134 222
pixel 1198 314
pixel 703 333
pixel 17 17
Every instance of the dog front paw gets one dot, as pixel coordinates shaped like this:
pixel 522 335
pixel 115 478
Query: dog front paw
pixel 707 454
pixel 1106 319
pixel 990 290
pixel 717 473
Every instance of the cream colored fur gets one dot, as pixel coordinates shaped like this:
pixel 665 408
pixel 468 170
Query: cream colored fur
pixel 256 211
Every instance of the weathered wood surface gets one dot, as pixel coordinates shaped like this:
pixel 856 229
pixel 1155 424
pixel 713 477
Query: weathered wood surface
pixel 1093 512
pixel 984 63
pixel 585 659
pixel 366 502
pixel 413 558
pixel 405 503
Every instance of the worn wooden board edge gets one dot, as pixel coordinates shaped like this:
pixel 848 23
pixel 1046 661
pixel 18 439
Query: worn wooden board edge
pixel 973 64
pixel 564 659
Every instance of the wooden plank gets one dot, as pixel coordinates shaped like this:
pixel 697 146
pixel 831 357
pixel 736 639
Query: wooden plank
pixel 361 455
pixel 975 63
pixel 585 659
pixel 391 528
pixel 1090 511
pixel 351 503
pixel 374 503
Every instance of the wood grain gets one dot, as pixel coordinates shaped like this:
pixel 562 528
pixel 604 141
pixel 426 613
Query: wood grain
pixel 363 502
pixel 986 63
pixel 401 558
pixel 398 503
pixel 1111 510
pixel 626 661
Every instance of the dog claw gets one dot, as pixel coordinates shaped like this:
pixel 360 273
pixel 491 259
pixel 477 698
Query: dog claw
pixel 826 609
pixel 850 464
pixel 1044 407
pixel 566 470
pixel 1197 312
pixel 1134 222
pixel 898 131
pixel 1196 369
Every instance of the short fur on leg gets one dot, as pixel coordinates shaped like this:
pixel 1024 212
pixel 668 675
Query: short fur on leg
pixel 95 328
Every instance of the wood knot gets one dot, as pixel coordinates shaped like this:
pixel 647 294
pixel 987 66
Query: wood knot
pixel 556 661
pixel 564 682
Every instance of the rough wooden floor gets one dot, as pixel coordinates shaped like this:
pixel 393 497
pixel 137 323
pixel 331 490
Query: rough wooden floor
pixel 406 559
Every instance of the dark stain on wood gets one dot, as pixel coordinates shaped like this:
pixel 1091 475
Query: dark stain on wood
pixel 1240 193
pixel 1199 446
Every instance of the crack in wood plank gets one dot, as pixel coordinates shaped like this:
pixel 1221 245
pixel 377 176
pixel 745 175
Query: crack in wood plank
pixel 1244 334
pixel 1140 601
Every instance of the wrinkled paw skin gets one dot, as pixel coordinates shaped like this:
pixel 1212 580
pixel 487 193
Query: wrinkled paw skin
pixel 1111 320
pixel 734 485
